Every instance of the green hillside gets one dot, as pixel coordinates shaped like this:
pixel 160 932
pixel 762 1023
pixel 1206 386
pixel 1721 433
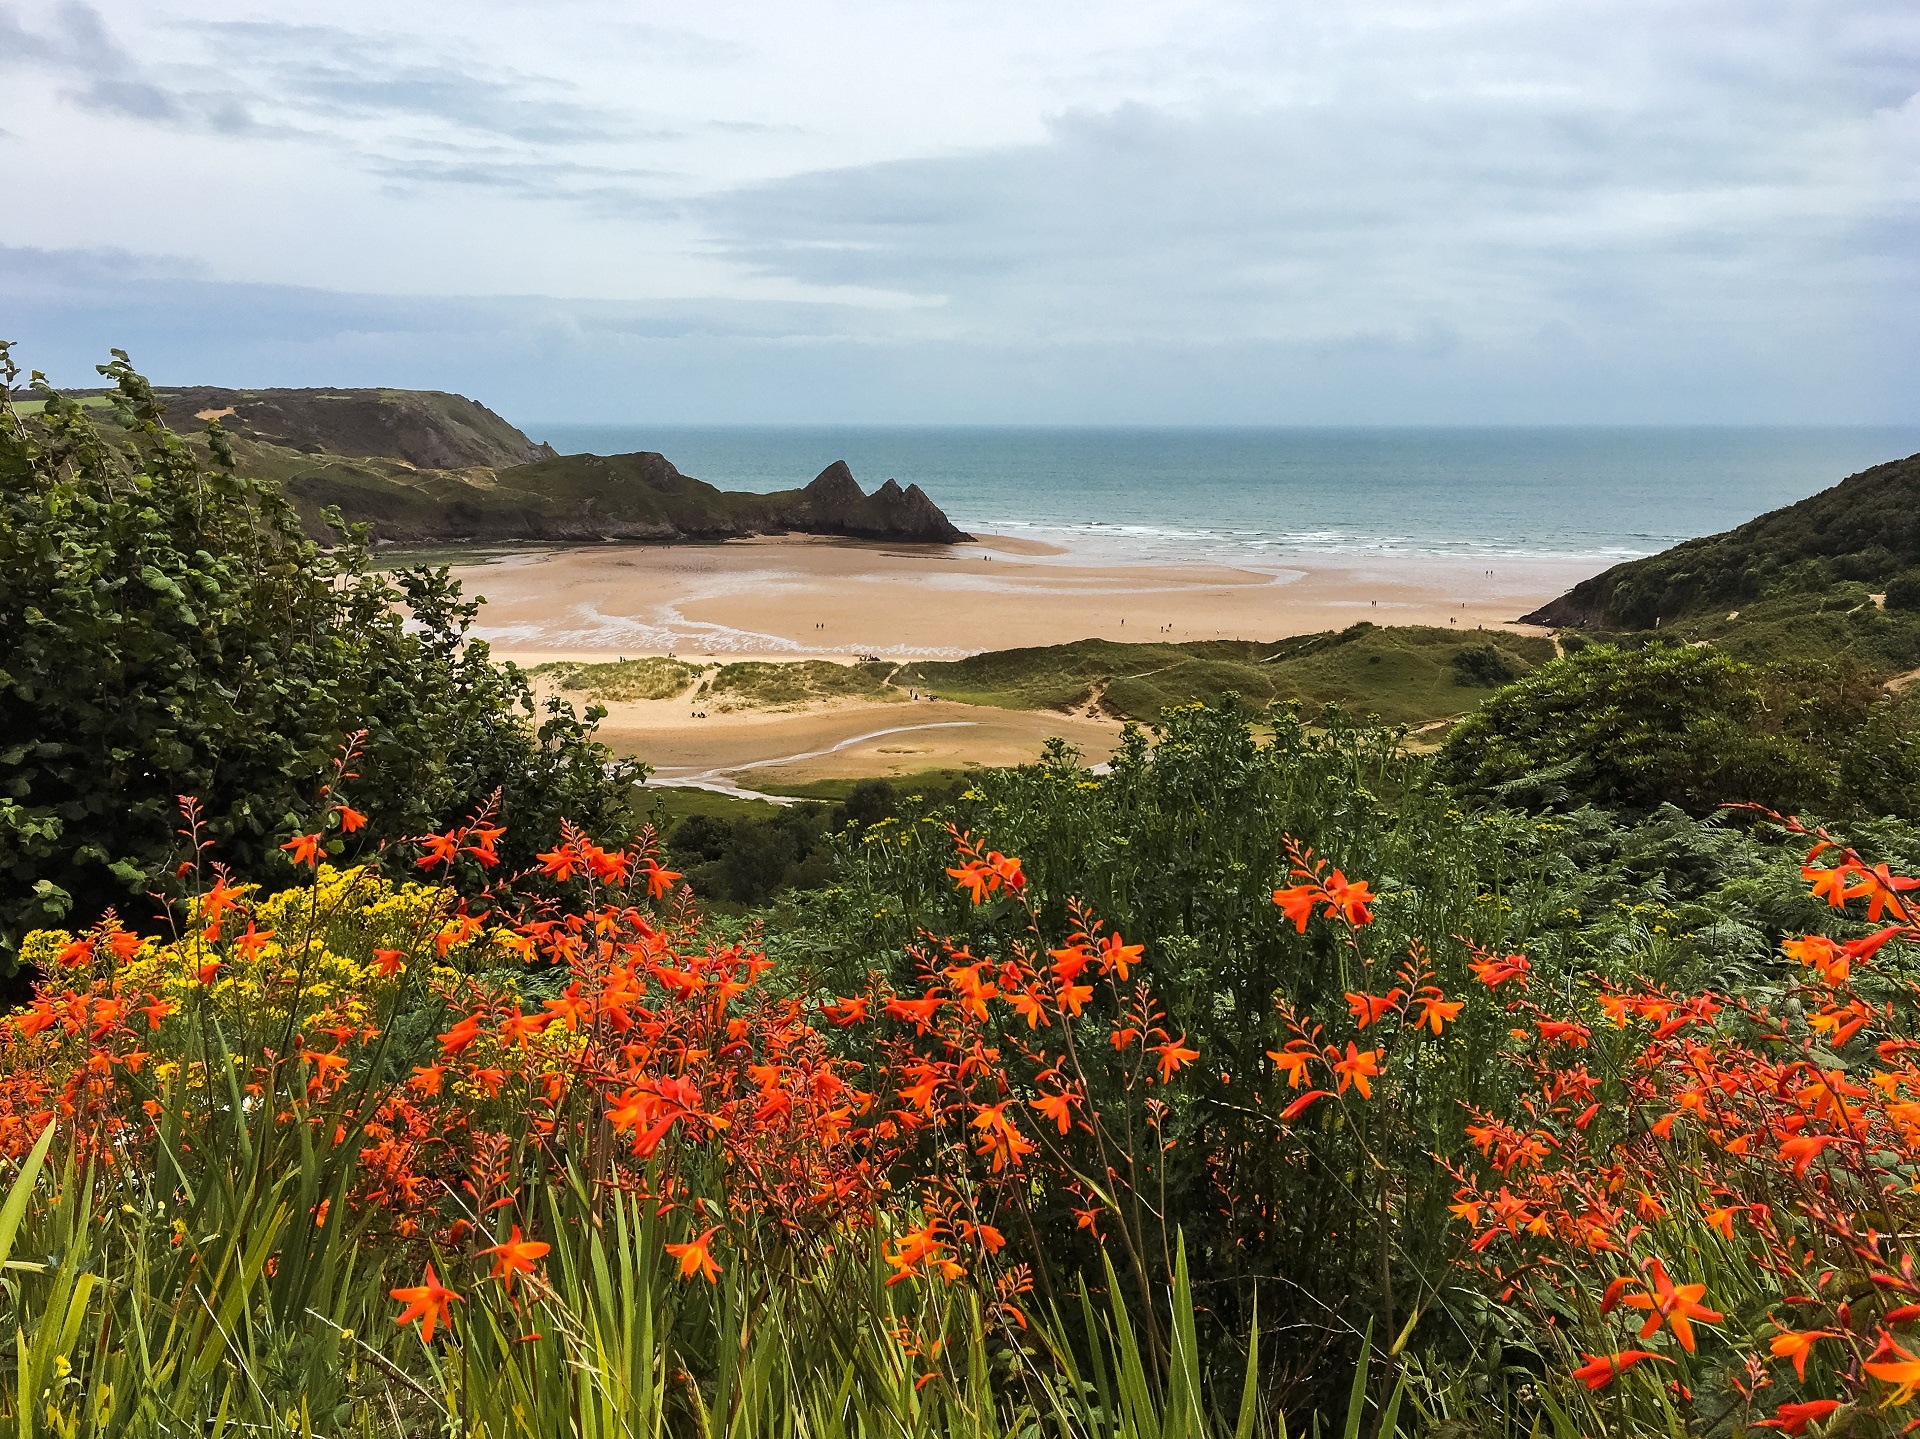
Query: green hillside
pixel 1864 531
pixel 1405 675
pixel 425 467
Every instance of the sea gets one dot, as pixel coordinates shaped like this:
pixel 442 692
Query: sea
pixel 1260 495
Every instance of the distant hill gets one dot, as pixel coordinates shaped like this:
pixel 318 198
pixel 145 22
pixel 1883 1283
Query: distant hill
pixel 421 466
pixel 1864 531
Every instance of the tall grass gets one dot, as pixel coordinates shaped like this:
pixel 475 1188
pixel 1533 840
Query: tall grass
pixel 218 1314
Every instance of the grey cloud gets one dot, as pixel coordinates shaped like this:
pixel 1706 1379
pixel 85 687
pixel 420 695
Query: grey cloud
pixel 313 79
pixel 329 72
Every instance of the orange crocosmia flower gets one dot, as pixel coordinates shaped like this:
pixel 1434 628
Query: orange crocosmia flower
pixel 844 1012
pixel 559 863
pixel 660 881
pixel 218 900
pixel 1115 954
pixel 1816 951
pixel 350 819
pixel 975 878
pixel 1173 1054
pixel 1029 1006
pixel 389 962
pixel 427 1079
pixel 920 1094
pixel 516 1256
pixel 124 944
pixel 1554 1030
pixel 696 1258
pixel 1720 1219
pixel 1299 1106
pixel 1057 1107
pixel 1437 1011
pixel 1074 997
pixel 1359 1069
pixel 1349 900
pixel 1675 1306
pixel 460 1036
pixel 990 1238
pixel 1797 1346
pixel 1068 963
pixel 305 848
pixel 1293 1063
pixel 1601 1370
pixel 1467 1210
pixel 76 954
pixel 441 849
pixel 1803 1149
pixel 429 1303
pixel 1794 1418
pixel 252 942
pixel 1297 903
pixel 920 1011
pixel 1831 884
pixel 1123 1037
pixel 1903 1372
pixel 1495 972
pixel 1369 1007
pixel 1885 891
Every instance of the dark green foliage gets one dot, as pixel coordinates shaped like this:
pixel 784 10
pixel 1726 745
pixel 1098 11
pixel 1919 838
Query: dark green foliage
pixel 744 861
pixel 748 859
pixel 171 631
pixel 1635 728
pixel 1865 530
pixel 869 802
pixel 1485 667
pixel 1903 592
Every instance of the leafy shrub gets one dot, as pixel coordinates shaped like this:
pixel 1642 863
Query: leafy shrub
pixel 1485 667
pixel 1903 592
pixel 1635 728
pixel 170 630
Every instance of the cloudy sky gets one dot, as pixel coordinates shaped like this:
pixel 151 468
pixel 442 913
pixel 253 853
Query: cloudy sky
pixel 1151 211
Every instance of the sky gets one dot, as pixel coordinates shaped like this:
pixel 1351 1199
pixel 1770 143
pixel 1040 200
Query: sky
pixel 1131 212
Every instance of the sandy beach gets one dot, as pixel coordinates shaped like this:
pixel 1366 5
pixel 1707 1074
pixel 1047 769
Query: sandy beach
pixel 804 597
pixel 812 598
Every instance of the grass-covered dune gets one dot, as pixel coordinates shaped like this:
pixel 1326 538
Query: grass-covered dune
pixel 1404 675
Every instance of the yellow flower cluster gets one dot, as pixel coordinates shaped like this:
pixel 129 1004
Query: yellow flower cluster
pixel 315 951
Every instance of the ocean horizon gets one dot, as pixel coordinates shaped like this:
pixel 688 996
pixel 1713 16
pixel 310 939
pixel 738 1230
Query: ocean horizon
pixel 1259 495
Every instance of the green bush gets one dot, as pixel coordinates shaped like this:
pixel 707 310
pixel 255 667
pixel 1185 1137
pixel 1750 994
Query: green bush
pixel 1636 728
pixel 1484 667
pixel 170 631
pixel 1903 592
